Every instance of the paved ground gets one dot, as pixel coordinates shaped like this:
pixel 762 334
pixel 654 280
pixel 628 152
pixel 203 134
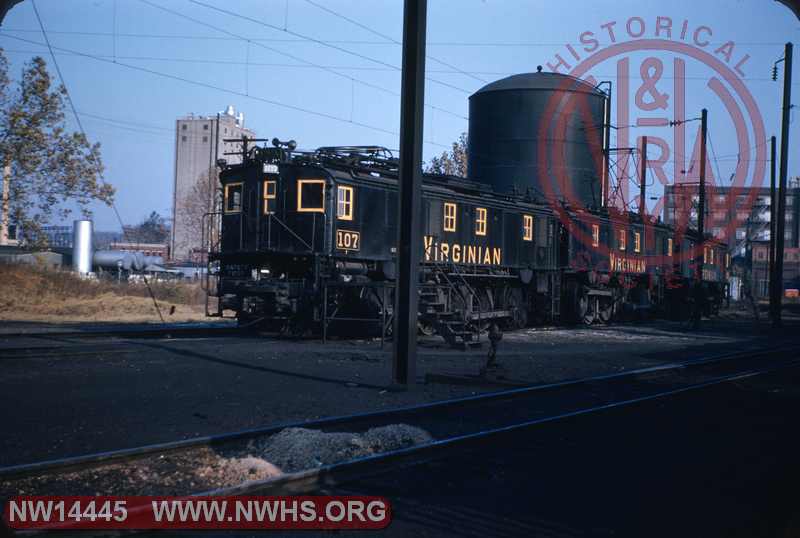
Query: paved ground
pixel 97 394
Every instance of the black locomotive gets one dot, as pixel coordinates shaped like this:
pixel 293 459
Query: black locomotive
pixel 305 240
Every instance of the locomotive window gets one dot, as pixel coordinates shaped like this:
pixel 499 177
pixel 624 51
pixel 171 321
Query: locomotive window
pixel 270 196
pixel 233 197
pixel 344 202
pixel 621 236
pixel 669 246
pixel 480 221
pixel 449 217
pixel 527 227
pixel 595 235
pixel 637 242
pixel 311 195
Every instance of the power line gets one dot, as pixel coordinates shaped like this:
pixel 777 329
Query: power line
pixel 357 41
pixel 98 170
pixel 126 122
pixel 340 67
pixel 226 90
pixel 391 39
pixel 319 42
pixel 288 55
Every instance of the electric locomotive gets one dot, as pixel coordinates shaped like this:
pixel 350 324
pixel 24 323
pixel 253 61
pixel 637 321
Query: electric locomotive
pixel 307 239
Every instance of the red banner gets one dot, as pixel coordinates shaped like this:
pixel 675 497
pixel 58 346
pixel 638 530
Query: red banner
pixel 239 512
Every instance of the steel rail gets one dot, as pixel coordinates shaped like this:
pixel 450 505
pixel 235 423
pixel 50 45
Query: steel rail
pixel 328 476
pixel 383 416
pixel 143 332
pixel 333 474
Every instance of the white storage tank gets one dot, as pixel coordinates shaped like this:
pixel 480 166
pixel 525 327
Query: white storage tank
pixel 82 248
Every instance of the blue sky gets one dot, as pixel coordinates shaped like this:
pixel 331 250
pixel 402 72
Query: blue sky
pixel 343 75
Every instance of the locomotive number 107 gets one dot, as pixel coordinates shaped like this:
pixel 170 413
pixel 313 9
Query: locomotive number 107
pixel 346 240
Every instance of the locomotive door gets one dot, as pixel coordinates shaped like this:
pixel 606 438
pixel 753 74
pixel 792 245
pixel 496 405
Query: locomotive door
pixel 251 213
pixel 232 228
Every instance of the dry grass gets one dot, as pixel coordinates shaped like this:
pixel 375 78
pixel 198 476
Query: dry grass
pixel 38 294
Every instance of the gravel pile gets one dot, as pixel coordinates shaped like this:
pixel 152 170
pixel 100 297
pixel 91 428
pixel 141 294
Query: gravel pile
pixel 223 472
pixel 296 449
pixel 206 468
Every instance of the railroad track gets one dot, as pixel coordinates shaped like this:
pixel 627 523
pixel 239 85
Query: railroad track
pixel 452 423
pixel 99 331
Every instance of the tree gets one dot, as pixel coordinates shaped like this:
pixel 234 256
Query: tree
pixel 45 167
pixel 453 162
pixel 201 199
pixel 153 229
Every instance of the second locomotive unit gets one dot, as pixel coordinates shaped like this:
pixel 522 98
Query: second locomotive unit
pixel 306 238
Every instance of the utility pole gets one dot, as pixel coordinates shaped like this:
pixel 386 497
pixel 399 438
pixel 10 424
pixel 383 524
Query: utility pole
pixel 699 258
pixel 772 219
pixel 410 192
pixel 643 180
pixel 606 177
pixel 780 225
pixel 701 198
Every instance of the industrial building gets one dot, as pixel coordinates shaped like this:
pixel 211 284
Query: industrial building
pixel 199 142
pixel 752 218
pixel 749 244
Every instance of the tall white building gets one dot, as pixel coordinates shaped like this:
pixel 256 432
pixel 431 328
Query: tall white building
pixel 199 142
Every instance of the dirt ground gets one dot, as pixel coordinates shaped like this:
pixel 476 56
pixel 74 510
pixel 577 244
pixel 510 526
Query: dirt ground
pixel 107 307
pixel 45 295
pixel 89 395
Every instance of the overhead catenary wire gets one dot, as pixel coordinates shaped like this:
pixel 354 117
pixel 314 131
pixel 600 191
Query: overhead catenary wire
pixel 700 79
pixel 357 41
pixel 392 40
pixel 321 42
pixel 98 170
pixel 226 90
pixel 289 55
pixel 714 155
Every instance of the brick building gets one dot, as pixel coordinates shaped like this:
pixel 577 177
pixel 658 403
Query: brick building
pixel 725 205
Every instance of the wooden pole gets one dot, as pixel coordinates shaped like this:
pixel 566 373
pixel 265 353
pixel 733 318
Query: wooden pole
pixel 643 180
pixel 780 225
pixel 772 222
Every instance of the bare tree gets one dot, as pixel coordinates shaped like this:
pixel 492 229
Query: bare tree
pixel 202 198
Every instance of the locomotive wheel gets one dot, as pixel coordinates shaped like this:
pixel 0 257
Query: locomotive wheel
pixel 587 308
pixel 605 310
pixel 426 329
pixel 482 297
pixel 246 323
pixel 519 313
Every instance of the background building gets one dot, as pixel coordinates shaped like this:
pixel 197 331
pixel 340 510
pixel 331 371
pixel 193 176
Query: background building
pixel 749 245
pixel 732 204
pixel 760 270
pixel 199 142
